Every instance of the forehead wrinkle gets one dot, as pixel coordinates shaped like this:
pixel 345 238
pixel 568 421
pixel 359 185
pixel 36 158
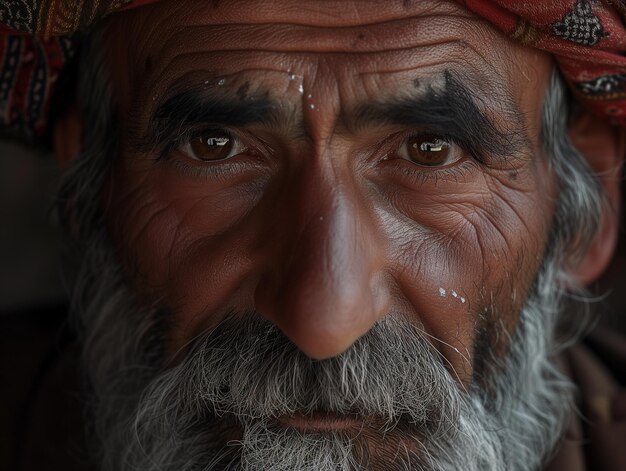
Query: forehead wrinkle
pixel 363 38
pixel 198 77
pixel 161 33
pixel 425 70
pixel 453 50
pixel 182 60
pixel 175 48
pixel 183 40
pixel 461 53
pixel 318 13
pixel 490 90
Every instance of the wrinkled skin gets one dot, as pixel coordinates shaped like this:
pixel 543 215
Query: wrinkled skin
pixel 318 224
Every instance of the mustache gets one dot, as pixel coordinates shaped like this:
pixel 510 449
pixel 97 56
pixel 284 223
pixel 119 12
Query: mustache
pixel 246 367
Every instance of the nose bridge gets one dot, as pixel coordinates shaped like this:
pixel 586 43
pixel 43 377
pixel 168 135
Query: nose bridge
pixel 322 293
pixel 325 251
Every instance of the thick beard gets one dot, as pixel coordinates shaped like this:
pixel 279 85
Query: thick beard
pixel 216 408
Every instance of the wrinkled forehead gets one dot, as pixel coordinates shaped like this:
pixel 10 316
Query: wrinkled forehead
pixel 320 60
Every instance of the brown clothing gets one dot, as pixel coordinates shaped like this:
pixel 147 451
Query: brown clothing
pixel 596 439
pixel 41 425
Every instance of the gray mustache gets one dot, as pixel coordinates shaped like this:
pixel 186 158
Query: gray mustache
pixel 248 368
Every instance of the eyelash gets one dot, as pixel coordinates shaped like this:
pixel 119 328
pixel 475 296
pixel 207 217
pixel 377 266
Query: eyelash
pixel 217 170
pixel 419 175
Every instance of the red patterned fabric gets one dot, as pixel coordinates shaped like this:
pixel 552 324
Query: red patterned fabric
pixel 29 70
pixel 586 37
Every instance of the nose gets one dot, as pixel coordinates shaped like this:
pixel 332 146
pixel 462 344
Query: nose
pixel 324 283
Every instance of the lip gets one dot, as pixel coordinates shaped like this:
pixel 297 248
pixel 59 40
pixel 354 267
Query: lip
pixel 322 422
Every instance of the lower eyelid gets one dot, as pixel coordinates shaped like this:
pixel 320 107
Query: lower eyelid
pixel 418 175
pixel 219 169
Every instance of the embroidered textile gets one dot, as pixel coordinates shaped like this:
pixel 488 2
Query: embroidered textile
pixel 586 37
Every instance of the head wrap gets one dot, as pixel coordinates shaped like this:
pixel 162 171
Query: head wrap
pixel 586 37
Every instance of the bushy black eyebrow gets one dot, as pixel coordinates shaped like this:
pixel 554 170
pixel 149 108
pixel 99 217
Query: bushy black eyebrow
pixel 453 113
pixel 193 109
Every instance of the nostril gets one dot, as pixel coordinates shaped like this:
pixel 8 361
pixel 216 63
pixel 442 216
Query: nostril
pixel 323 307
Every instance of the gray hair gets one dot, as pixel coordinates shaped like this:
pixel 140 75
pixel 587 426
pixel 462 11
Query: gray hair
pixel 123 347
pixel 581 199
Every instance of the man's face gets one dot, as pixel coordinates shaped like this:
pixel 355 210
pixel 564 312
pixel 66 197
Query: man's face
pixel 325 167
pixel 313 164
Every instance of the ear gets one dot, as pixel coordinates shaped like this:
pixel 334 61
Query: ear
pixel 604 147
pixel 66 135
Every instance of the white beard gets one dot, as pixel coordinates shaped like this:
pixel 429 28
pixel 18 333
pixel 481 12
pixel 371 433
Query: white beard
pixel 148 417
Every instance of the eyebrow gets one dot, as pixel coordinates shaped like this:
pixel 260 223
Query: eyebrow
pixel 451 113
pixel 193 109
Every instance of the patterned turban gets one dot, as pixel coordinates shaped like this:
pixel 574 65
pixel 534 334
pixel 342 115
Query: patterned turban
pixel 586 37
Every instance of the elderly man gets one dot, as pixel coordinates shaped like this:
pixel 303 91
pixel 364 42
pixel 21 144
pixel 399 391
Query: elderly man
pixel 339 235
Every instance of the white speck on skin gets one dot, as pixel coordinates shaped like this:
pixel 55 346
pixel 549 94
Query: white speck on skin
pixel 309 96
pixel 301 89
pixel 312 106
pixel 454 294
pixel 221 82
pixel 292 76
pixel 462 299
pixel 442 292
pixel 206 82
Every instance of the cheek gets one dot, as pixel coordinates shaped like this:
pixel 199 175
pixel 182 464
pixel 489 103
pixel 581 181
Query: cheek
pixel 460 250
pixel 183 242
pixel 467 251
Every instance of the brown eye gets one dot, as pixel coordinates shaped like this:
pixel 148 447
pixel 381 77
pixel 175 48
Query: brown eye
pixel 430 151
pixel 212 145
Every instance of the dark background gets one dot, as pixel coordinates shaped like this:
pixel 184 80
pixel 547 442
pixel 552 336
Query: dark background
pixel 29 237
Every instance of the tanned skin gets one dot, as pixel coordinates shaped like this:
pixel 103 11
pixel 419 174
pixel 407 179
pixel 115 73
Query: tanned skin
pixel 318 218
